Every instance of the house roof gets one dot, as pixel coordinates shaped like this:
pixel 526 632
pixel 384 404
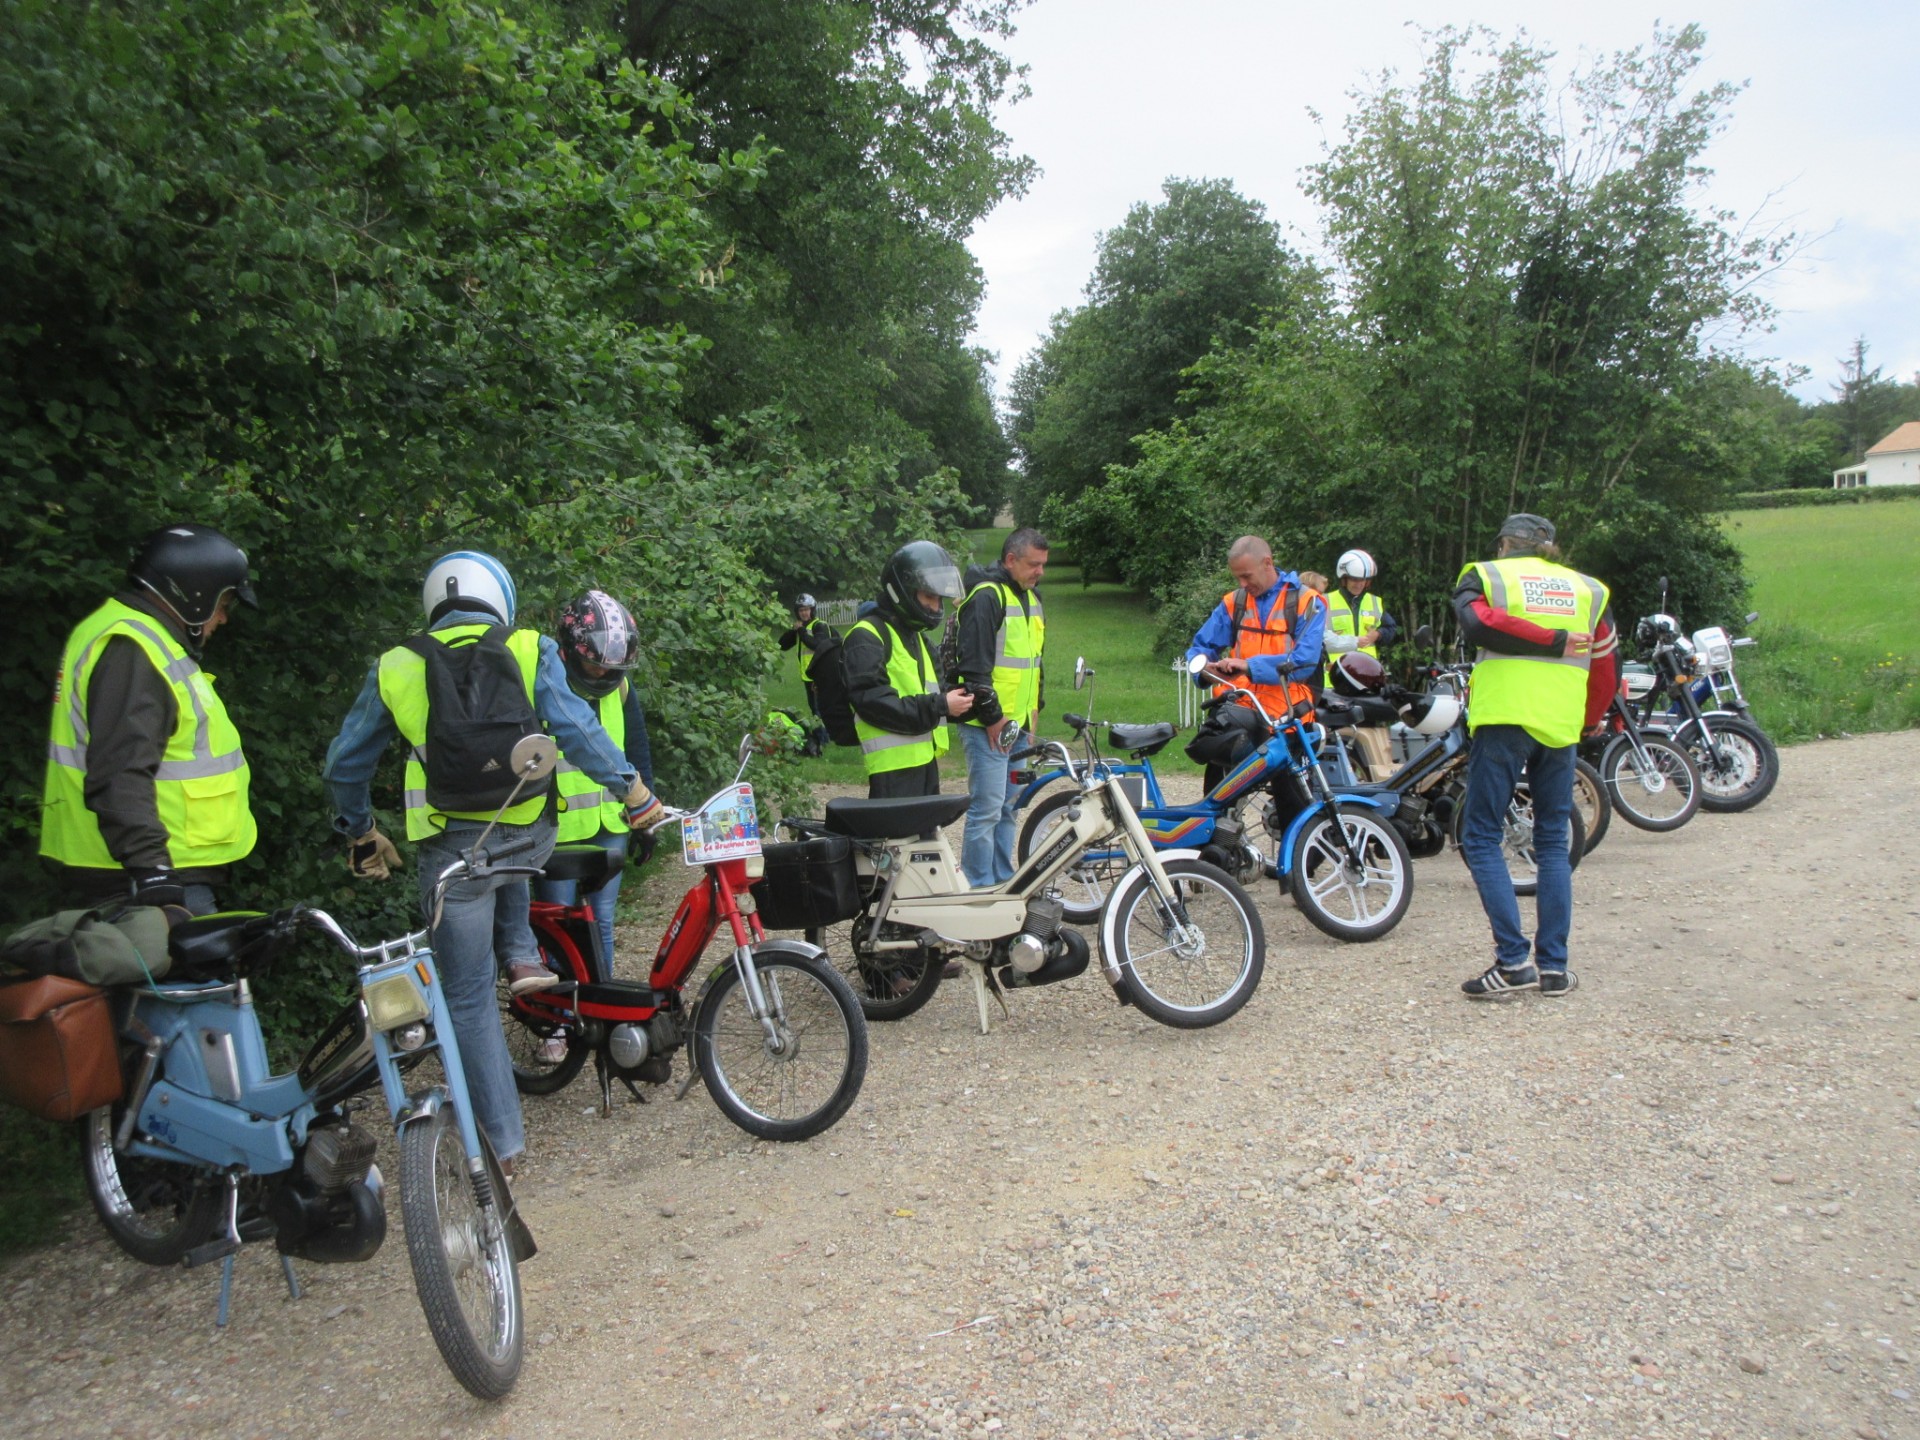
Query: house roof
pixel 1907 437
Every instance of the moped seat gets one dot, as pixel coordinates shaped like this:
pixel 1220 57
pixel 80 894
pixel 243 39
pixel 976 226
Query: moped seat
pixel 592 865
pixel 206 947
pixel 1141 739
pixel 894 819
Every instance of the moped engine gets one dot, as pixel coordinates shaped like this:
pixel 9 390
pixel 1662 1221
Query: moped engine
pixel 644 1051
pixel 330 1210
pixel 1027 951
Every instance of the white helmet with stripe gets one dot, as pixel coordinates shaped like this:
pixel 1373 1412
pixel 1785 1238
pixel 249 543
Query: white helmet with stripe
pixel 1357 565
pixel 468 580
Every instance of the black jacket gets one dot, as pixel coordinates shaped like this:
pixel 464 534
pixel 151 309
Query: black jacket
pixel 981 618
pixel 872 694
pixel 131 712
pixel 813 635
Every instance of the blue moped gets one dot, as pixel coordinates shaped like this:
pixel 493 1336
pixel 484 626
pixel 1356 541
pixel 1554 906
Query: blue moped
pixel 1335 850
pixel 208 1149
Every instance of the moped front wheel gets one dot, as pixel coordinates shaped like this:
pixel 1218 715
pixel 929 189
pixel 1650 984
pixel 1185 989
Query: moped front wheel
pixel 1738 767
pixel 1590 799
pixel 1660 793
pixel 155 1210
pixel 1516 840
pixel 1085 885
pixel 463 1263
pixel 1349 902
pixel 794 1076
pixel 1194 964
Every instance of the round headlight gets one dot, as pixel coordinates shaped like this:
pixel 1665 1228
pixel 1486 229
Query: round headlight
pixel 409 1037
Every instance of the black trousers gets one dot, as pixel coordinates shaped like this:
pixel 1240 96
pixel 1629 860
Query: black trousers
pixel 903 784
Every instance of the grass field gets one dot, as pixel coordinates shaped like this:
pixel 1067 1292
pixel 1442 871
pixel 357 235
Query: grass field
pixel 1839 599
pixel 1108 624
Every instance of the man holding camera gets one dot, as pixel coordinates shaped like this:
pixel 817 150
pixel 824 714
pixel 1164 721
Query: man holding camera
pixel 1003 629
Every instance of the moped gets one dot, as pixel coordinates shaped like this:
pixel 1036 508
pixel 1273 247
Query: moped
pixel 208 1149
pixel 775 1032
pixel 1179 939
pixel 1334 849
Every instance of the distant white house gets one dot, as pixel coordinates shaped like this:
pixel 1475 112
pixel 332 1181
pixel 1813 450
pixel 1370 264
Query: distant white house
pixel 1894 461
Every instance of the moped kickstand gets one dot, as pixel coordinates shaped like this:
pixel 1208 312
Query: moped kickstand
pixel 983 985
pixel 226 1249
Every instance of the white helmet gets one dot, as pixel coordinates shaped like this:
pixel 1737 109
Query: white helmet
pixel 1433 714
pixel 468 580
pixel 1356 564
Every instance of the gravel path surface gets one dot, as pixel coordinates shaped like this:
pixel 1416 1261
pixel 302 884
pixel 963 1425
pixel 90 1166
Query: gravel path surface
pixel 1681 1202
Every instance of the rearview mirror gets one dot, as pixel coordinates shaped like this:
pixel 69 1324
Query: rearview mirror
pixel 1197 663
pixel 533 757
pixel 1752 615
pixel 1081 671
pixel 1423 637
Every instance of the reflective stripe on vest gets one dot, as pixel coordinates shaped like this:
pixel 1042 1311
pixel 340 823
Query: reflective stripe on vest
pixel 403 689
pixel 1016 652
pixel 202 783
pixel 908 674
pixel 586 806
pixel 1545 694
pixel 1340 618
pixel 1273 636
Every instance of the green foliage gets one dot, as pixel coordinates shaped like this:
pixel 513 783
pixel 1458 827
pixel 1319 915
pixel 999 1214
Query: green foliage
pixel 1171 280
pixel 39 1183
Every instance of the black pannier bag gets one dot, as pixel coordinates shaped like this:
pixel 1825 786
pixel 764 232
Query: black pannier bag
pixel 1227 736
pixel 809 883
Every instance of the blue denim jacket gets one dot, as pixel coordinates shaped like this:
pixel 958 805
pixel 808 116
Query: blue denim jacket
pixel 1215 638
pixel 369 729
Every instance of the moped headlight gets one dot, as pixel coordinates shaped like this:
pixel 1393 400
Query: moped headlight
pixel 409 1037
pixel 395 1001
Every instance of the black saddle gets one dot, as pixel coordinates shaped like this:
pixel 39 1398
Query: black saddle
pixel 1341 712
pixel 894 819
pixel 1141 739
pixel 591 865
pixel 213 947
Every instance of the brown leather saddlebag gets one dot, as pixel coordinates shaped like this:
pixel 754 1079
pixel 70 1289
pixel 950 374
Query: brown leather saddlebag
pixel 58 1054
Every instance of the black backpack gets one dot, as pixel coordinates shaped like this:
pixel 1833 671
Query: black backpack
pixel 831 692
pixel 477 711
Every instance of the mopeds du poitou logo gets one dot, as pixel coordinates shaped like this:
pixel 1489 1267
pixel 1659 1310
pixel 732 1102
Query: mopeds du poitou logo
pixel 1548 595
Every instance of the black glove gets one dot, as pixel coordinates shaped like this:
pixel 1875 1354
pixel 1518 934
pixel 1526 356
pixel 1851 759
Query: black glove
pixel 155 887
pixel 644 843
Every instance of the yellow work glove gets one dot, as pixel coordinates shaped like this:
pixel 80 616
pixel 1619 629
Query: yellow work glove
pixel 373 856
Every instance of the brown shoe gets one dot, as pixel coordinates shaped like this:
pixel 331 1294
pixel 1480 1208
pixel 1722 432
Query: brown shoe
pixel 522 978
pixel 950 971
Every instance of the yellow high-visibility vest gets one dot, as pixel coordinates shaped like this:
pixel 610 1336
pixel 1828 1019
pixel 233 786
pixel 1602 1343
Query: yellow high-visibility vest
pixel 1547 694
pixel 587 807
pixel 201 787
pixel 1016 652
pixel 910 672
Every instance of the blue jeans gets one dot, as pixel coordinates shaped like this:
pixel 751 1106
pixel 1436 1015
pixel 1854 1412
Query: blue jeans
pixel 1501 755
pixel 986 854
pixel 562 892
pixel 482 919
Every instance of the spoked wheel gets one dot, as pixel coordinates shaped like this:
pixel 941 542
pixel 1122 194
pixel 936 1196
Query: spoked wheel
pixel 889 984
pixel 155 1210
pixel 1193 967
pixel 1590 799
pixel 546 1055
pixel 1347 901
pixel 793 1076
pixel 1660 793
pixel 1738 767
pixel 1516 842
pixel 463 1263
pixel 1086 885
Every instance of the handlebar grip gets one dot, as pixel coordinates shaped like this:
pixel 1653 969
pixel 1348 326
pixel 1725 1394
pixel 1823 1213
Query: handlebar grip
pixel 1075 722
pixel 1025 754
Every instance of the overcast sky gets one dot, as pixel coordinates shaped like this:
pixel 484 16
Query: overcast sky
pixel 1825 139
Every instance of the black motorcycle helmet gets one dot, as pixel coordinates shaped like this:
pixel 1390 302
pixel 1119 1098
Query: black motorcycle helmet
pixel 921 565
pixel 596 629
pixel 1357 673
pixel 192 568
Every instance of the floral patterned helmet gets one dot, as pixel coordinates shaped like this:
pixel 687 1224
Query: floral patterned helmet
pixel 596 629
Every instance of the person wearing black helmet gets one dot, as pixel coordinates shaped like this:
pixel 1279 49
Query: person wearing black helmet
pixel 1544 673
pixel 810 635
pixel 600 645
pixel 893 682
pixel 147 783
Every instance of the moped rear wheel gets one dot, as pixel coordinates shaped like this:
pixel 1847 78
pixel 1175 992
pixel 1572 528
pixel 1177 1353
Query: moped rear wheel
pixel 540 1066
pixel 889 984
pixel 1590 799
pixel 463 1263
pixel 796 1082
pixel 1085 885
pixel 1195 967
pixel 1341 902
pixel 1661 794
pixel 155 1210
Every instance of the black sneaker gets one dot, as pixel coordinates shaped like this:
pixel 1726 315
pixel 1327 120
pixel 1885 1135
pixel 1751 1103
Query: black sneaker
pixel 1496 983
pixel 1558 982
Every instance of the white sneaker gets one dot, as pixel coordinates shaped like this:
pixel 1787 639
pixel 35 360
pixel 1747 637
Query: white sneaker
pixel 552 1050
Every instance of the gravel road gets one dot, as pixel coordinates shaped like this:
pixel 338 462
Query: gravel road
pixel 1682 1202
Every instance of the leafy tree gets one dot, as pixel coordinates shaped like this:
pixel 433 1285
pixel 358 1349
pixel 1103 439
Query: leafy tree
pixel 1170 281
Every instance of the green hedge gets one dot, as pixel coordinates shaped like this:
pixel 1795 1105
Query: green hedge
pixel 1789 499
